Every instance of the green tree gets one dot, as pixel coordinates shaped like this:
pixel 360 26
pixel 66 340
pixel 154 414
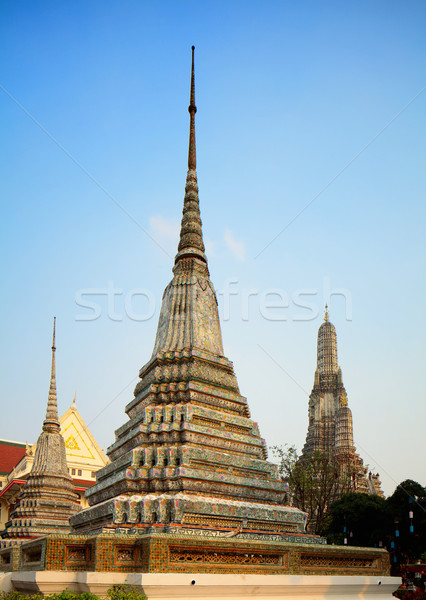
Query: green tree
pixel 409 497
pixel 315 481
pixel 363 519
pixel 371 520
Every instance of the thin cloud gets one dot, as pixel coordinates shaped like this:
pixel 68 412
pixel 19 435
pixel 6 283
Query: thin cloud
pixel 164 229
pixel 237 247
pixel 210 247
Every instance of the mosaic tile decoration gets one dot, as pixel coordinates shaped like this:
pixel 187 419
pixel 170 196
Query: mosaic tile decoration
pixel 128 551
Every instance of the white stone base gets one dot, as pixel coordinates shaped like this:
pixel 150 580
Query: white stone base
pixel 6 582
pixel 170 586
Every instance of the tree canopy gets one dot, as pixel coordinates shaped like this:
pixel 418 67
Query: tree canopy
pixel 361 519
pixel 315 481
pixel 318 487
pixel 397 523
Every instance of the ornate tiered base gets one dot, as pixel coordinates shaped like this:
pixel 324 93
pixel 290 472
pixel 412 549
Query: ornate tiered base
pixel 134 551
pixel 165 511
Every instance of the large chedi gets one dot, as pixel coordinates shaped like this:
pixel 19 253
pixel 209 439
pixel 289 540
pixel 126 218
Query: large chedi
pixel 189 457
pixel 330 428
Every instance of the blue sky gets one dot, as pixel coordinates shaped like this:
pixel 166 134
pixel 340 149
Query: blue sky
pixel 300 104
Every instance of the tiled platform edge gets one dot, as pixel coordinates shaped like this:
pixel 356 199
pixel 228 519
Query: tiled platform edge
pixel 166 553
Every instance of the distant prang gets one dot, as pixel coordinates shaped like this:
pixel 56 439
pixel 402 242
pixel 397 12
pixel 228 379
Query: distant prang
pixel 330 428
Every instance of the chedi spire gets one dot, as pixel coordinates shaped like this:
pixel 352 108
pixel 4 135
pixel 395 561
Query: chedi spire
pixel 48 498
pixel 189 316
pixel 192 109
pixel 191 243
pixel 51 422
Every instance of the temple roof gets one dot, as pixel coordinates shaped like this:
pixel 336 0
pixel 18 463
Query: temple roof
pixel 10 454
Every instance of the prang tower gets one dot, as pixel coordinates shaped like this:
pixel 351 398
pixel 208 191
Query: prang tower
pixel 330 428
pixel 189 456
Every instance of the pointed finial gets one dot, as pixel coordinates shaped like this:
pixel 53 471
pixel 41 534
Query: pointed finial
pixel 326 317
pixel 74 404
pixel 54 334
pixel 191 243
pixel 192 109
pixel 51 422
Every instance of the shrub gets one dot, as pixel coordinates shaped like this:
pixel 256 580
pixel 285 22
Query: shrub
pixel 20 596
pixel 68 595
pixel 125 592
pixel 117 592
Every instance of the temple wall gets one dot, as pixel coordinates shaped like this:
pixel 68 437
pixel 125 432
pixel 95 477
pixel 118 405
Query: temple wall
pixel 196 586
pixel 130 552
